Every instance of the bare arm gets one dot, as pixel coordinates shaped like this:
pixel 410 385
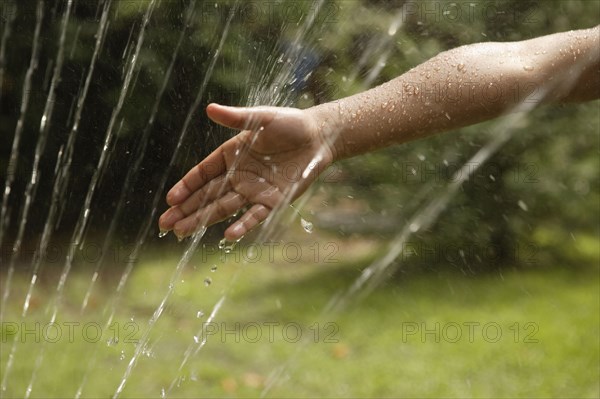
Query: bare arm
pixel 456 88
pixel 464 86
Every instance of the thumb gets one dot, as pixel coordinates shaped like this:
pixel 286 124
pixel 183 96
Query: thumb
pixel 240 117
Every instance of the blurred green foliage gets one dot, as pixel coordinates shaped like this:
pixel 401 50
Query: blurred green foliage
pixel 547 176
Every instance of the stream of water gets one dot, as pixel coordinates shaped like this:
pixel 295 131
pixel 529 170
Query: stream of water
pixel 275 77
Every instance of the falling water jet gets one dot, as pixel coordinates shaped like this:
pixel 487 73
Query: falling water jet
pixel 146 227
pixel 8 14
pixel 194 348
pixel 63 164
pixel 139 156
pixel 85 212
pixel 384 47
pixel 64 161
pixel 102 162
pixel 14 155
pixel 31 188
pixel 185 259
pixel 143 232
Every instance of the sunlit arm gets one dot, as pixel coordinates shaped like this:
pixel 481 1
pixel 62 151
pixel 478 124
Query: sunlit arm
pixel 456 88
pixel 463 86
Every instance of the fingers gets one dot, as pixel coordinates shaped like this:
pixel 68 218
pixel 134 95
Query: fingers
pixel 199 199
pixel 240 118
pixel 216 211
pixel 211 167
pixel 185 218
pixel 252 218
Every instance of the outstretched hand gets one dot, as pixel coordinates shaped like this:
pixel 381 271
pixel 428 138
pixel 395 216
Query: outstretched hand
pixel 278 151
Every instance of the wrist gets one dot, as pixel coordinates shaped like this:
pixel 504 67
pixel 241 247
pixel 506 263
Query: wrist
pixel 328 128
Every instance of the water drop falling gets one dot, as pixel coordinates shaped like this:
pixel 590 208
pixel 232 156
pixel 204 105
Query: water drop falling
pixel 222 243
pixel 306 225
pixel 213 268
pixel 199 314
pixel 207 281
pixel 523 205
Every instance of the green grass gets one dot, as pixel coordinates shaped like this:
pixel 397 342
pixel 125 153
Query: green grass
pixel 548 347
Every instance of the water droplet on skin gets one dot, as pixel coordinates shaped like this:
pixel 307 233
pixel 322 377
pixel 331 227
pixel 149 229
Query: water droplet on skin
pixel 213 268
pixel 163 233
pixel 207 281
pixel 460 67
pixel 306 225
pixel 528 68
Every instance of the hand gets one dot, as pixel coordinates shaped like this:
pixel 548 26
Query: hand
pixel 279 153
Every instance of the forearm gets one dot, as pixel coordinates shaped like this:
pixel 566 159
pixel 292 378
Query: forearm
pixel 464 86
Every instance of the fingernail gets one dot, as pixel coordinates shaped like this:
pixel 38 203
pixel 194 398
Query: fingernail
pixel 237 229
pixel 173 194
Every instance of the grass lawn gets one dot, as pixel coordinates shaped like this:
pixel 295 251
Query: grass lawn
pixel 523 333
